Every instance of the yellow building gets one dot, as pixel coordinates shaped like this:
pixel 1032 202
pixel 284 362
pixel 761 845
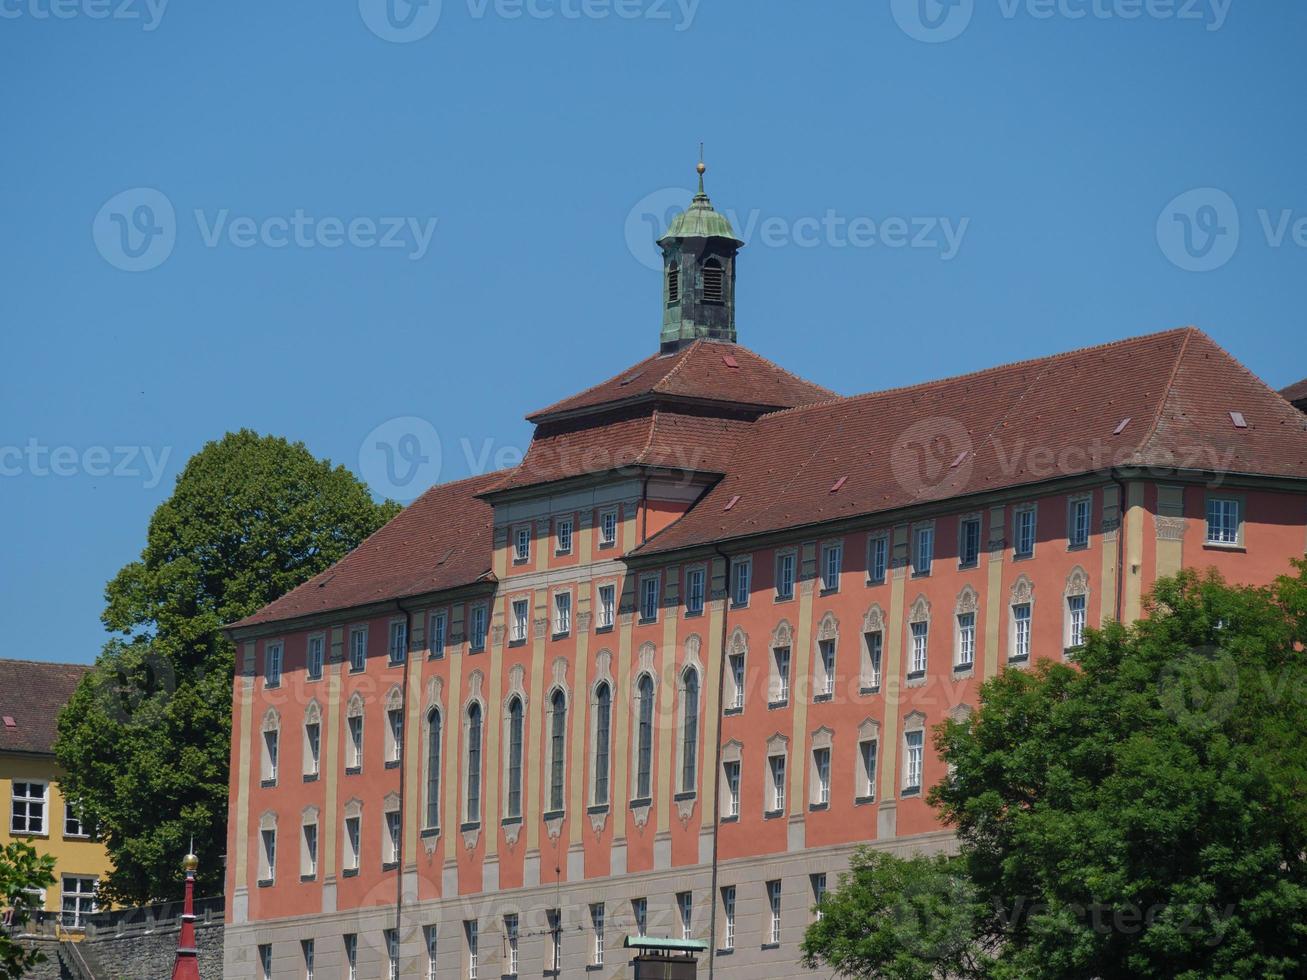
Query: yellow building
pixel 31 696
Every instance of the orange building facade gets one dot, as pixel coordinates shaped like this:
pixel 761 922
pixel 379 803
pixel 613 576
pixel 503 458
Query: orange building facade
pixel 663 677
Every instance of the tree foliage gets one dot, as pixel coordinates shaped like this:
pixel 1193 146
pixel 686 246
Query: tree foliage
pixel 1140 814
pixel 22 872
pixel 145 740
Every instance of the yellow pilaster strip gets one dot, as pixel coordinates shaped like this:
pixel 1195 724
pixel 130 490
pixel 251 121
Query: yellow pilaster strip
pixel 494 727
pixel 1134 550
pixel 243 766
pixel 1111 524
pixel 1170 525
pixel 413 738
pixel 994 591
pixel 712 644
pixel 893 678
pixel 666 702
pixel 452 735
pixel 801 680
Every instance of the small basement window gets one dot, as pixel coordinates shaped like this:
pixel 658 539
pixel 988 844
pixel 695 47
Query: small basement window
pixel 714 282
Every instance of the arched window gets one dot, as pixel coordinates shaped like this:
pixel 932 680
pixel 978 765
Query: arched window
pixel 603 735
pixel 557 741
pixel 644 744
pixel 474 763
pixel 433 768
pixel 690 740
pixel 714 282
pixel 673 284
pixel 515 757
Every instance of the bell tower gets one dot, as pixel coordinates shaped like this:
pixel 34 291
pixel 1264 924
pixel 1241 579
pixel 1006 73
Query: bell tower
pixel 699 252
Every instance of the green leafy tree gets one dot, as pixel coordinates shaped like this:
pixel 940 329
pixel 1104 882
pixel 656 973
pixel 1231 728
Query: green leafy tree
pixel 145 740
pixel 22 872
pixel 1140 814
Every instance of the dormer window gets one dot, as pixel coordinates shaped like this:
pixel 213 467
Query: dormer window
pixel 673 284
pixel 714 282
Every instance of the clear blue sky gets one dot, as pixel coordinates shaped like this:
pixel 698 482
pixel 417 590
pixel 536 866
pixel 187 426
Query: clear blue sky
pixel 1059 140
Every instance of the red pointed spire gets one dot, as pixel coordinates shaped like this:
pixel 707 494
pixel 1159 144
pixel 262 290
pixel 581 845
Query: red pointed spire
pixel 187 965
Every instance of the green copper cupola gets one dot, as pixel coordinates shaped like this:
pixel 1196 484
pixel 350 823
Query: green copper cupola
pixel 699 253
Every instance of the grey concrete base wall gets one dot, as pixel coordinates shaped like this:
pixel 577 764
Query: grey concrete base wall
pixel 147 956
pixel 753 957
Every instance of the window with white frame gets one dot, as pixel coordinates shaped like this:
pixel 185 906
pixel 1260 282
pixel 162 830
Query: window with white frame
pixel 563 536
pixel 608 529
pixel 391 844
pixel 306 949
pixel 737 682
pixel 873 646
pixel 914 743
pixel 774 909
pixel 398 642
pixel 644 737
pixel 607 606
pixel 312 740
pixel 557 750
pixel 1024 531
pixel 741 573
pixel 73 825
pixel 776 789
pixel 268 854
pixel 648 598
pixel 271 747
pixel 511 940
pixel 1078 522
pixel 920 643
pixel 597 933
pixel 477 630
pixel 562 613
pixel 354 723
pixel 77 900
pixel 1223 521
pixel 728 916
pixel 732 776
pixel 439 628
pixel 352 956
pixel 516 728
pixel 434 733
pixel 689 729
pixel 315 656
pixel 554 920
pixel 969 542
pixel 1075 610
pixel 694 590
pixel 1020 631
pixel 867 770
pixel 392 953
pixel 966 640
pixel 358 648
pixel 603 740
pixel 265 961
pixel 522 545
pixel 309 849
pixel 353 842
pixel 640 913
pixel 832 561
pixel 429 941
pixel 395 733
pixel 877 558
pixel 470 935
pixel 685 908
pixel 821 769
pixel 923 549
pixel 781 693
pixel 272 664
pixel 826 663
pixel 521 617
pixel 785 575
pixel 473 787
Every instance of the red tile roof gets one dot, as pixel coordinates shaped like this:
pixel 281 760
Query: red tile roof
pixel 31 696
pixel 706 370
pixel 442 540
pixel 1295 392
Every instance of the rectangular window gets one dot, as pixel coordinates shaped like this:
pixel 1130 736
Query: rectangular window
pixel 1078 523
pixel 608 529
pixel 78 900
pixel 694 591
pixel 355 723
pixel 741 572
pixel 832 561
pixel 826 649
pixel 821 766
pixel 774 905
pixel 737 680
pixel 685 906
pixel 920 639
pixel 966 639
pixel 649 599
pixel 398 642
pixel 351 956
pixel 265 962
pixel 352 834
pixel 313 748
pixel 877 558
pixel 923 551
pixel 272 665
pixel 521 545
pixel 607 606
pixel 732 788
pixel 597 928
pixel 867 770
pixel 392 953
pixel 395 720
pixel 306 947
pixel 785 576
pixel 27 812
pixel 473 947
pixel 1021 631
pixel 1024 534
pixel 818 881
pixel 776 765
pixel 1222 520
pixel 510 938
pixel 969 542
pixel 563 534
pixel 477 638
pixel 874 643
pixel 315 657
pixel 915 742
pixel 782 655
pixel 728 914
pixel 271 745
pixel 269 868
pixel 562 613
pixel 554 917
pixel 392 836
pixel 521 611
pixel 309 868
pixel 429 940
pixel 358 648
pixel 438 633
pixel 73 826
pixel 1075 607
pixel 640 912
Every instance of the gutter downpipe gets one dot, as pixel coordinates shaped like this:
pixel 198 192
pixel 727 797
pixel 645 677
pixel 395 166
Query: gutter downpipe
pixel 717 761
pixel 403 767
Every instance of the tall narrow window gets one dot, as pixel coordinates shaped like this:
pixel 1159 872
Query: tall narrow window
pixel 826 651
pixel 741 572
pixel 818 882
pixel 649 599
pixel 438 623
pixel 597 929
pixel 923 552
pixel 269 855
pixel 1075 605
pixel 351 956
pixel 265 962
pixel 1025 532
pixel 395 721
pixel 474 764
pixel 969 542
pixel 728 914
pixel 312 746
pixel 271 748
pixel 685 905
pixel 358 648
pixel 714 282
pixel 737 680
pixel 608 529
pixel 470 933
pixel 309 862
pixel 392 849
pixel 867 770
pixel 607 606
pixel 392 953
pixel 640 912
pixel 920 638
pixel 521 545
pixel 966 639
pixel 510 939
pixel 1078 523
pixel 272 665
pixel 433 769
pixel 521 612
pixel 821 768
pixel 306 947
pixel 314 657
pixel 429 940
pixel 355 725
pixel 690 740
pixel 673 284
pixel 694 591
pixel 563 535
pixel 782 656
pixel 776 766
pixel 603 735
pixel 732 771
pixel 785 576
pixel 1020 631
pixel 515 757
pixel 915 742
pixel 877 558
pixel 562 613
pixel 832 558
pixel 644 744
pixel 874 643
pixel 353 842
pixel 554 918
pixel 557 750
pixel 774 907
pixel 398 643
pixel 477 638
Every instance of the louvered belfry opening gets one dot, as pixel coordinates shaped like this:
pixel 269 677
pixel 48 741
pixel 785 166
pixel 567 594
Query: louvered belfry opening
pixel 714 282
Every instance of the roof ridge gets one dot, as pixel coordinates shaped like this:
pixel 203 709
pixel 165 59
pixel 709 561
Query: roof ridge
pixel 941 382
pixel 1166 393
pixel 790 374
pixel 685 356
pixel 648 441
pixel 549 409
pixel 44 663
pixel 1283 403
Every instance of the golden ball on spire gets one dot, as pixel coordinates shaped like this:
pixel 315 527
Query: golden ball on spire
pixel 190 862
pixel 701 168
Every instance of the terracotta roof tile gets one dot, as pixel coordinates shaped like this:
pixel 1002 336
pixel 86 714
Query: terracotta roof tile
pixel 31 695
pixel 1295 392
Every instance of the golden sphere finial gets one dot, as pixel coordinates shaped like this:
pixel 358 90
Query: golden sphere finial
pixel 190 862
pixel 702 168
